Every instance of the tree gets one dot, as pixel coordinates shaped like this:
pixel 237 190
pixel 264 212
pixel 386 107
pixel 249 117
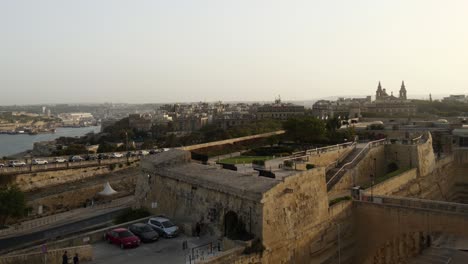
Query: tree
pixel 12 203
pixel 106 147
pixel 305 129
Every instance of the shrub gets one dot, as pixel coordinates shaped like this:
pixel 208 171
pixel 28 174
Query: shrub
pixel 339 199
pixel 256 247
pixel 310 166
pixel 112 166
pixel 288 163
pixel 120 165
pixel 131 214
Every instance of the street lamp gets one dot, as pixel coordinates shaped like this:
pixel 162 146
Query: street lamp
pixel 375 167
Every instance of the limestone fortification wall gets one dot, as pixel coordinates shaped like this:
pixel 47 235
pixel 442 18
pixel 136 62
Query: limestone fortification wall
pixel 37 180
pixel 420 156
pixel 436 185
pixel 77 198
pixel 326 158
pixel 189 203
pixel 231 141
pixel 394 184
pixel 292 215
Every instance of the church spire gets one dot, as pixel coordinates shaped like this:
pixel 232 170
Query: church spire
pixel 403 91
pixel 378 93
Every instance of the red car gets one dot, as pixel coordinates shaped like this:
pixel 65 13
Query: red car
pixel 122 237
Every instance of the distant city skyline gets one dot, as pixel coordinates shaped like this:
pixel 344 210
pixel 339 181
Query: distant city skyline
pixel 146 51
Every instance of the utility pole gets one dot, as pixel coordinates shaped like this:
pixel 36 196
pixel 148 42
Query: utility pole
pixel 375 167
pixel 126 140
pixel 339 244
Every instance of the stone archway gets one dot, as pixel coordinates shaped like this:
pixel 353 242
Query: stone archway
pixel 231 222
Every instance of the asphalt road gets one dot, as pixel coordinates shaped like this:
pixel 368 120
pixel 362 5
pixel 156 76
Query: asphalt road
pixel 167 251
pixel 61 231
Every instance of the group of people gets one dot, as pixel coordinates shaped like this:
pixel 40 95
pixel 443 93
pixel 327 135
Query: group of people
pixel 76 260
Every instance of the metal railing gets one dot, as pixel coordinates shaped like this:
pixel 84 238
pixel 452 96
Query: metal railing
pixel 203 252
pixel 65 165
pixel 418 203
pixel 322 150
pixel 348 164
pixel 340 159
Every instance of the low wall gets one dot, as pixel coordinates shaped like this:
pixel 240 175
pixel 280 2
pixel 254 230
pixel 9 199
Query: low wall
pixel 35 180
pixel 232 140
pixel 85 254
pixel 393 184
pixel 326 158
pixel 53 219
pixel 338 209
pixel 64 166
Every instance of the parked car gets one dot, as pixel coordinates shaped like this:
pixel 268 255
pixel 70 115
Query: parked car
pixel 116 155
pixel 90 157
pixel 16 163
pixel 59 160
pixel 164 226
pixel 2 165
pixel 143 153
pixel 122 237
pixel 102 156
pixel 39 162
pixel 75 159
pixel 145 232
pixel 131 154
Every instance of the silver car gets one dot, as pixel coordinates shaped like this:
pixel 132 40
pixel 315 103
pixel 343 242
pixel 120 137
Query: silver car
pixel 16 163
pixel 164 227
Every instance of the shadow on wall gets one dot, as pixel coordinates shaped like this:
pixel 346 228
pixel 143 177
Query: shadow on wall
pixel 234 228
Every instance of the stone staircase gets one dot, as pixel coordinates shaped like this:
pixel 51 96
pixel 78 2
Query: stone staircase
pixel 332 173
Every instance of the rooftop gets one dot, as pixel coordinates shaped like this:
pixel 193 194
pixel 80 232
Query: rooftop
pixel 209 176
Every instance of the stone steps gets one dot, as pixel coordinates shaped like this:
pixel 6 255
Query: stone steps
pixel 332 177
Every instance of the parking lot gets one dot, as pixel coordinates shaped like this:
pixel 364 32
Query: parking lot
pixel 162 251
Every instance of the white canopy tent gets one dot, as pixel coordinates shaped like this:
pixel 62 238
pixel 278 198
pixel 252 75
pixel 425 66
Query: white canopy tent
pixel 107 190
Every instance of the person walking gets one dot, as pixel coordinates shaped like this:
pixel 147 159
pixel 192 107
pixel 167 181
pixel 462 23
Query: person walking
pixel 76 260
pixel 65 258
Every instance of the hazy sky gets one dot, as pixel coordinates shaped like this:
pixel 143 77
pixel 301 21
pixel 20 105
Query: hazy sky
pixel 158 51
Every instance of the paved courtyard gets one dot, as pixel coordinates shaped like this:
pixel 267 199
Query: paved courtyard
pixel 163 251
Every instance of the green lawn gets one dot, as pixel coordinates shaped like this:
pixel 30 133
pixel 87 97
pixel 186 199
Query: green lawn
pixel 386 177
pixel 244 159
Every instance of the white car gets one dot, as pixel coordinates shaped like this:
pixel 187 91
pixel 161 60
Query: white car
pixel 116 155
pixel 2 165
pixel 59 160
pixel 39 162
pixel 16 163
pixel 143 153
